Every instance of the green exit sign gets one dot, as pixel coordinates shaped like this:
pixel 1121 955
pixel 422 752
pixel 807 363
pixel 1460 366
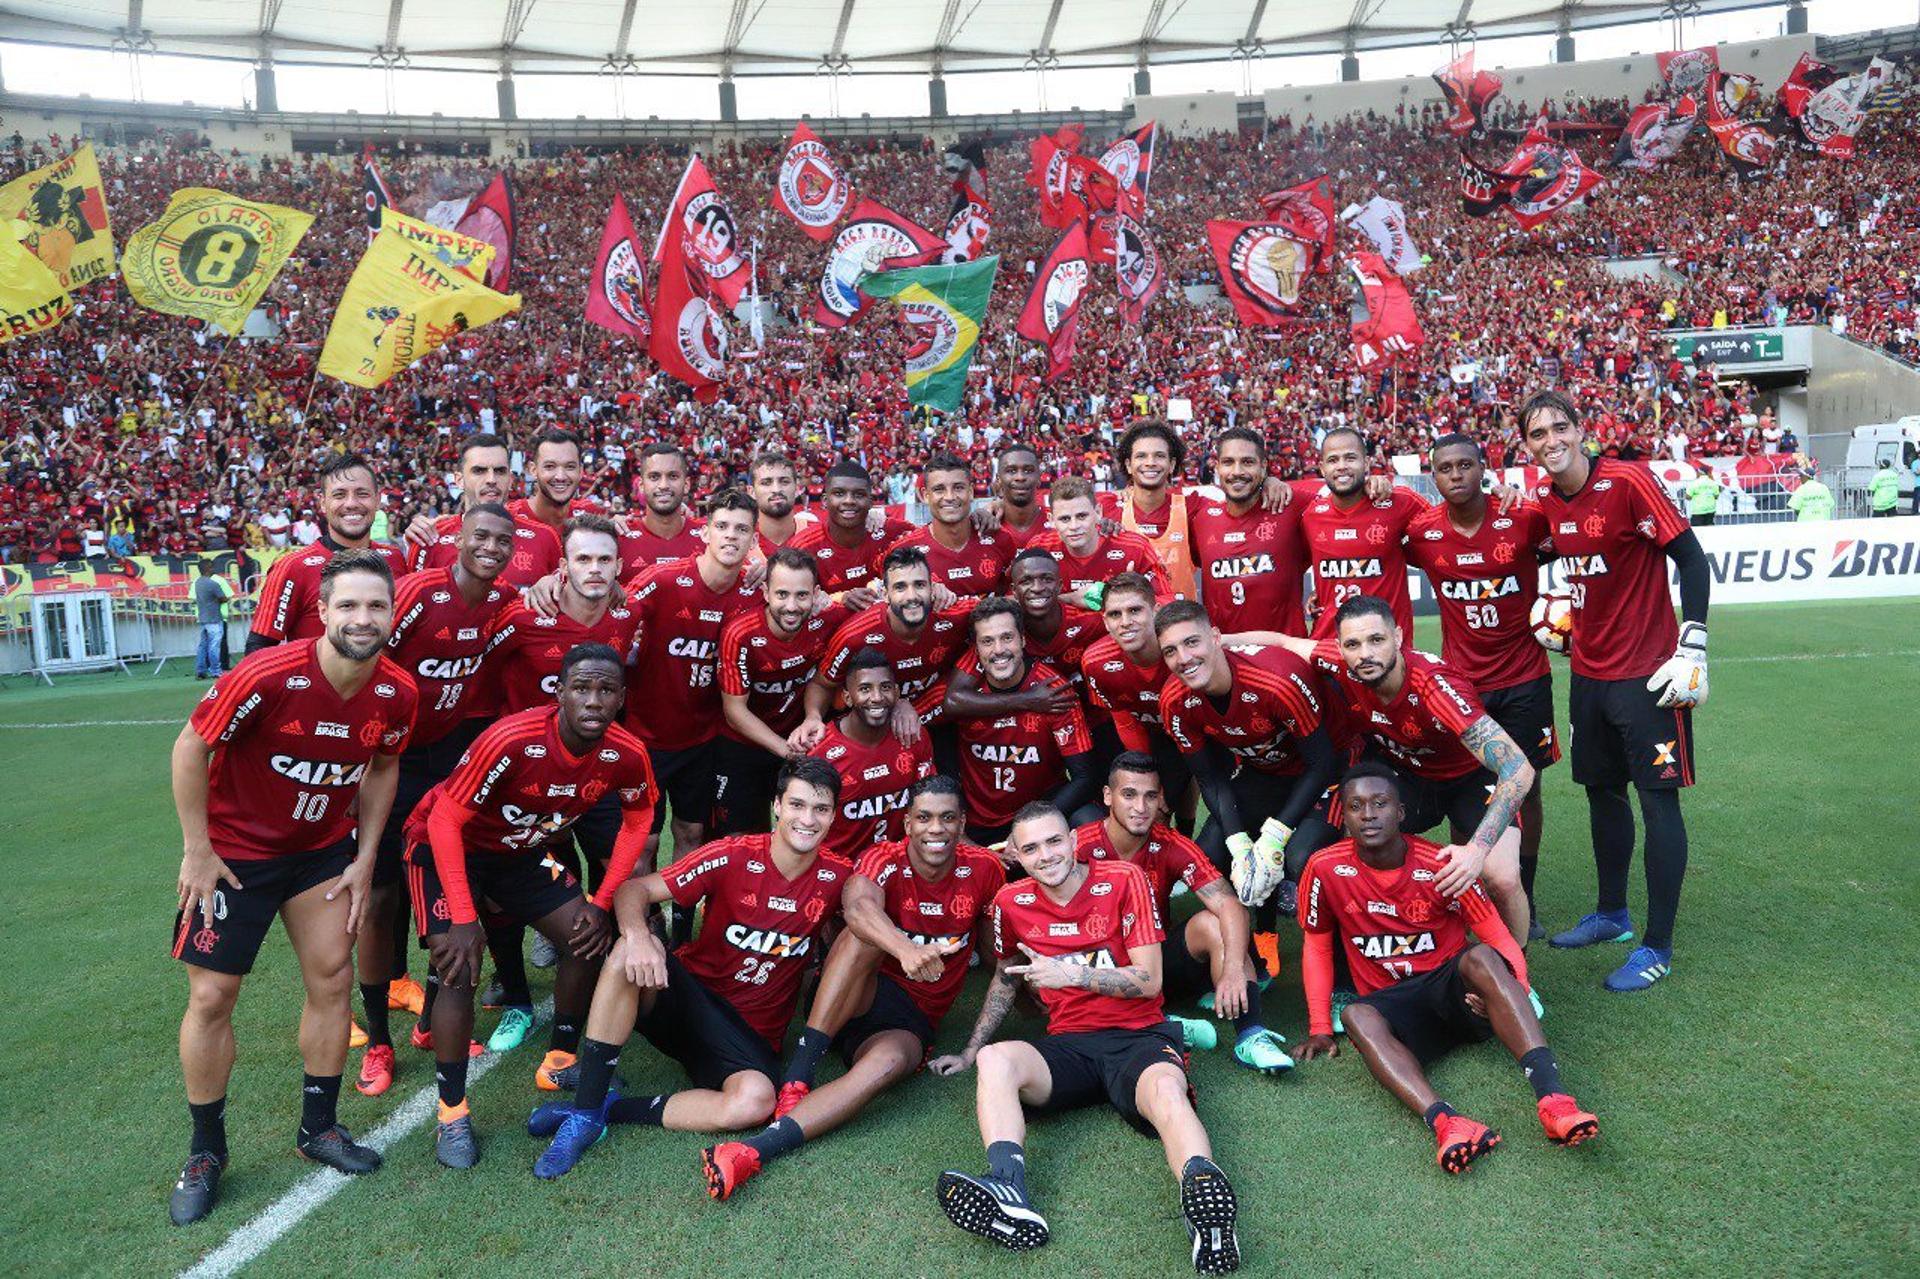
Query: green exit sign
pixel 1753 347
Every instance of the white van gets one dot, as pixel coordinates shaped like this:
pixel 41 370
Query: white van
pixel 1896 442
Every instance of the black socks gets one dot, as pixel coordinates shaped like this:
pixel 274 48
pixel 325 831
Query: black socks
pixel 319 1103
pixel 777 1138
pixel 597 1061
pixel 1543 1072
pixel 1008 1161
pixel 1434 1113
pixel 451 1077
pixel 807 1051
pixel 209 1128
pixel 373 994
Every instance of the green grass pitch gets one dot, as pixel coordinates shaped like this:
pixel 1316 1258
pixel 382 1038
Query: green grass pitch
pixel 1751 1106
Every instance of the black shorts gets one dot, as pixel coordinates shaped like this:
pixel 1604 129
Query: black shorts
pixel 1459 801
pixel 743 787
pixel 1091 1066
pixel 1263 795
pixel 1180 969
pixel 513 888
pixel 593 834
pixel 421 769
pixel 1526 712
pixel 892 1009
pixel 1622 735
pixel 688 781
pixel 703 1032
pixel 986 836
pixel 242 916
pixel 1428 1013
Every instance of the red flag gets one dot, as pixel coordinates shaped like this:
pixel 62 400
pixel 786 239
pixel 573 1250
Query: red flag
pixel 1544 177
pixel 1136 262
pixel 811 189
pixel 689 341
pixel 1385 327
pixel 1689 70
pixel 1467 92
pixel 873 238
pixel 490 218
pixel 970 220
pixel 1748 144
pixel 1073 186
pixel 617 290
pixel 710 238
pixel 1052 312
pixel 1263 268
pixel 1130 158
pixel 1305 210
pixel 1808 77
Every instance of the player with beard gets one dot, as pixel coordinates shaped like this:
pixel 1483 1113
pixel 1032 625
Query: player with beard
pixel 720 1003
pixel 876 769
pixel 775 487
pixel 1023 736
pixel 1016 484
pixel 555 496
pixel 1424 987
pixel 481 835
pixel 1151 454
pixel 1356 540
pixel 444 622
pixel 920 646
pixel 767 659
pixel 1089 558
pixel 290 593
pixel 912 910
pixel 846 545
pixel 1630 709
pixel 673 702
pixel 282 779
pixel 1086 939
pixel 1482 567
pixel 1252 561
pixel 486 476
pixel 527 652
pixel 1455 763
pixel 1213 952
pixel 666 530
pixel 970 563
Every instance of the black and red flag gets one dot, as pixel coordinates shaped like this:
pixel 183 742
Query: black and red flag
pixel 1749 145
pixel 1073 187
pixel 1467 93
pixel 1542 177
pixel 1052 312
pixel 490 218
pixel 1130 158
pixel 1263 269
pixel 873 238
pixel 1385 327
pixel 1137 272
pixel 1689 71
pixel 970 220
pixel 703 225
pixel 1808 77
pixel 811 187
pixel 1305 210
pixel 617 289
pixel 1654 133
pixel 374 194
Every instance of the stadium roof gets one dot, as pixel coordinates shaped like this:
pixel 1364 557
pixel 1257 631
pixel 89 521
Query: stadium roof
pixel 772 37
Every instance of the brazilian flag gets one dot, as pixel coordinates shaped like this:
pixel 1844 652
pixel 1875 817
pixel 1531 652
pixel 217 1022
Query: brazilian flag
pixel 945 305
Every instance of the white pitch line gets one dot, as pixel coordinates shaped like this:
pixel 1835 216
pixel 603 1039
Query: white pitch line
pixel 246 1244
pixel 96 723
pixel 1811 657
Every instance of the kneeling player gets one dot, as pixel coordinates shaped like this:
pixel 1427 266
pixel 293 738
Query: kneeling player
pixel 1088 936
pixel 911 908
pixel 483 835
pixel 1424 987
pixel 1211 952
pixel 719 1004
pixel 266 776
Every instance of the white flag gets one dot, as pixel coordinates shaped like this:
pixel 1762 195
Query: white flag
pixel 1385 223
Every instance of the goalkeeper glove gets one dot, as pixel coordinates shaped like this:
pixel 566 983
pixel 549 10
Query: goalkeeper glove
pixel 1241 846
pixel 1268 862
pixel 1095 595
pixel 1682 678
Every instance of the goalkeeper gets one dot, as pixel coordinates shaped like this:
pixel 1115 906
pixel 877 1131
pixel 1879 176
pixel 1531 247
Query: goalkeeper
pixel 1248 718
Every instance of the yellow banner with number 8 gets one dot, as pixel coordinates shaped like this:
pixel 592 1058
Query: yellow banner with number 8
pixel 211 255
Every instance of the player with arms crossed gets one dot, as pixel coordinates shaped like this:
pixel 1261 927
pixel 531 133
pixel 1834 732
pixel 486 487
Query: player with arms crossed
pixel 1212 952
pixel 486 476
pixel 481 836
pixel 1630 709
pixel 1424 987
pixel 289 606
pixel 266 776
pixel 1086 939
pixel 912 908
pixel 719 1004
pixel 1483 567
pixel 877 769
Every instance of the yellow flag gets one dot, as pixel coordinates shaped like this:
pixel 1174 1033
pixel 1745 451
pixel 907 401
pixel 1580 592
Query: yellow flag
pixel 60 212
pixel 211 255
pixel 463 253
pixel 31 299
pixel 403 302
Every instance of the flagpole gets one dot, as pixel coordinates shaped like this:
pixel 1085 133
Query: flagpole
pixel 693 158
pixel 313 384
pixel 207 377
pixel 1146 187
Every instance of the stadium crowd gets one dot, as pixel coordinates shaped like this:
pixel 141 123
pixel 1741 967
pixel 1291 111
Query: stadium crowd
pixel 126 431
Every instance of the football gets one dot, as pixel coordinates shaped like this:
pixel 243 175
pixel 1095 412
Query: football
pixel 1552 621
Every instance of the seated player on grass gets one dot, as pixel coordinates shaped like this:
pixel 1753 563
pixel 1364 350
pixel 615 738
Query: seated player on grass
pixel 1085 936
pixel 911 912
pixel 1425 988
pixel 720 1003
pixel 1212 952
pixel 486 835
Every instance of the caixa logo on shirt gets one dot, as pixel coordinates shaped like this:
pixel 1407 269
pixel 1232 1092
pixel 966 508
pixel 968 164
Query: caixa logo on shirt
pixel 769 941
pixel 317 772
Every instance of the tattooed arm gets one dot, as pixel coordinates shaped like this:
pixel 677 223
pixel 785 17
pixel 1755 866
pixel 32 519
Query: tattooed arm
pixel 993 1011
pixel 1513 778
pixel 1138 980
